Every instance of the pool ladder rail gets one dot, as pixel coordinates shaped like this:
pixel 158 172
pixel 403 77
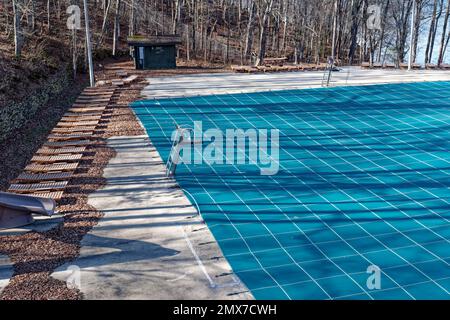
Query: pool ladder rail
pixel 182 137
pixel 326 78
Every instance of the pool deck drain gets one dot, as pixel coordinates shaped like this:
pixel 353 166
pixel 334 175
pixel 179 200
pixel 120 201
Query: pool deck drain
pixel 150 244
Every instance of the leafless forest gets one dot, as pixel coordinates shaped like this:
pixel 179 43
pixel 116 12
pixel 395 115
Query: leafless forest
pixel 241 31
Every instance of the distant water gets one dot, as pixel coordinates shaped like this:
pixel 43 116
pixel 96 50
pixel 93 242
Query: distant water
pixel 422 46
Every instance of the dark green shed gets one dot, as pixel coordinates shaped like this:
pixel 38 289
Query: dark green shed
pixel 155 52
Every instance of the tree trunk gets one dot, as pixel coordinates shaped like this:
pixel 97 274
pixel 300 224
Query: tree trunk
pixel 430 32
pixel 444 32
pixel 417 21
pixel 116 28
pixel 383 29
pixel 354 30
pixel 249 35
pixel 188 57
pixel 74 52
pixel 18 35
pixel 433 29
pixel 263 32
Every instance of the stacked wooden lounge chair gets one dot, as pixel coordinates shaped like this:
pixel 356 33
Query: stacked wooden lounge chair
pixel 54 164
pixel 279 68
pixel 414 66
pixel 378 65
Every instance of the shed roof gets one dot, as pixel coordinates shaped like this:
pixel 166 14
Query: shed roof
pixel 162 40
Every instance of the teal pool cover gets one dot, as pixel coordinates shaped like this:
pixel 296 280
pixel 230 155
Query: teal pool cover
pixel 363 183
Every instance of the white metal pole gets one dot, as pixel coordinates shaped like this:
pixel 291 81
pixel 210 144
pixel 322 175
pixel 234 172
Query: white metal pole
pixel 333 45
pixel 411 38
pixel 88 45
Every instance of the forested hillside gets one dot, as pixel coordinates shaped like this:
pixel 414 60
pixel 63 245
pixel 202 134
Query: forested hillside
pixel 36 32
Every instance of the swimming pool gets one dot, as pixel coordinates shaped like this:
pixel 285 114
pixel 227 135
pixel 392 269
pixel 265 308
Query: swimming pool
pixel 363 183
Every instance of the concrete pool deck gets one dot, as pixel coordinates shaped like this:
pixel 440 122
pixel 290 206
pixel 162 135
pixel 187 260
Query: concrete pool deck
pixel 222 83
pixel 150 244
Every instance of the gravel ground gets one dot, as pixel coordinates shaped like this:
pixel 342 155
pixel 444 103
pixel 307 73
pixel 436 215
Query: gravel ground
pixel 36 255
pixel 17 151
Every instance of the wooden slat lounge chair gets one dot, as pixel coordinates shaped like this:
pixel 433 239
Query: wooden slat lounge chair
pixel 85 98
pixel 121 73
pixel 445 66
pixel 34 167
pixel 53 176
pixel 130 79
pixel 365 65
pixel 55 195
pixel 36 187
pixel 96 94
pixel 430 66
pixel 70 120
pixel 117 82
pixel 57 158
pixel 244 69
pixel 307 66
pixel 45 150
pixel 98 90
pixel 262 68
pixel 89 105
pixel 389 66
pixel 82 124
pixel 96 114
pixel 377 65
pixel 86 109
pixel 67 143
pixel 74 129
pixel 275 61
pixel 75 136
pixel 91 100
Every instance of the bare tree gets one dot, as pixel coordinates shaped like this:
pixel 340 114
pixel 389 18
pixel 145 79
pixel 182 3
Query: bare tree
pixel 116 32
pixel 18 33
pixel 443 36
pixel 265 9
